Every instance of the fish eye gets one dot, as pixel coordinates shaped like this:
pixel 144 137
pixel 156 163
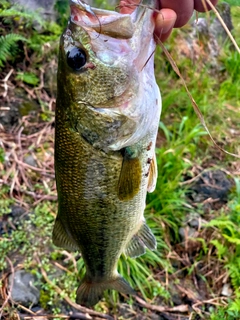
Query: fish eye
pixel 76 58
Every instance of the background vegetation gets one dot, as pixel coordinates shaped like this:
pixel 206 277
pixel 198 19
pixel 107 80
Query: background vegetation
pixel 198 233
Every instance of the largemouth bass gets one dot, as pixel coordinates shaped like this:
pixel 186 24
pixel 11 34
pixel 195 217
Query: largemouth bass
pixel 107 115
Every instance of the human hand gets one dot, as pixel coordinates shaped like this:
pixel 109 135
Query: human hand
pixel 172 14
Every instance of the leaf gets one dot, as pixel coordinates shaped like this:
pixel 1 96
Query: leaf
pixel 220 248
pixel 8 46
pixel 28 77
pixel 232 239
pixel 2 155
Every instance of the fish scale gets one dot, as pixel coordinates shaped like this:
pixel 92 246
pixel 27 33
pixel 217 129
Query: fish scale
pixel 107 113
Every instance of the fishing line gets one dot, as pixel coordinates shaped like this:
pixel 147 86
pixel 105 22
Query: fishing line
pixel 194 104
pixel 177 71
pixel 224 25
pixel 94 14
pixel 148 59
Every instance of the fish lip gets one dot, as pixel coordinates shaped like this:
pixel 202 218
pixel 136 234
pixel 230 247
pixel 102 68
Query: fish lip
pixel 111 23
pixel 79 8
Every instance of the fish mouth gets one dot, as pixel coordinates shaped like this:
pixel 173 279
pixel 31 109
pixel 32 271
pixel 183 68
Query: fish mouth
pixel 111 23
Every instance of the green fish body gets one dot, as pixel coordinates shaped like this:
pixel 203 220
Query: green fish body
pixel 107 114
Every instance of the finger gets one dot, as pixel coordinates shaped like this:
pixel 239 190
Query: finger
pixel 164 36
pixel 183 9
pixel 164 22
pixel 128 6
pixel 201 5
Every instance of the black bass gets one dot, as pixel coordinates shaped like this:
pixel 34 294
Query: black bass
pixel 107 115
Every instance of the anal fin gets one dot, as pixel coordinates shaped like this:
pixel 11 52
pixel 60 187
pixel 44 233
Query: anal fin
pixel 61 238
pixel 144 238
pixel 152 178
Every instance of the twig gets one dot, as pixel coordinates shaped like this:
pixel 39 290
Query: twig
pixel 193 179
pixel 26 309
pixel 212 301
pixel 10 287
pixel 4 85
pixel 182 308
pixel 72 315
pixel 29 91
pixel 61 267
pixel 71 257
pixel 44 198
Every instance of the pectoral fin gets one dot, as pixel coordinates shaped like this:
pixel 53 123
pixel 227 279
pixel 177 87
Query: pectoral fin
pixel 152 180
pixel 130 178
pixel 61 238
pixel 142 239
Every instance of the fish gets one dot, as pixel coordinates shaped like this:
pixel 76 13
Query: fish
pixel 107 115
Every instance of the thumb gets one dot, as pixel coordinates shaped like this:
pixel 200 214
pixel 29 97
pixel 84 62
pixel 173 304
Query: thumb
pixel 165 21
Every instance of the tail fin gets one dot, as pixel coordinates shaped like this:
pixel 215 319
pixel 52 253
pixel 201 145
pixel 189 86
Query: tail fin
pixel 90 292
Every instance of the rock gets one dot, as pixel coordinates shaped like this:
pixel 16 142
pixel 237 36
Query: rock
pixel 201 28
pixel 204 41
pixel 187 232
pixel 194 220
pixel 30 161
pixel 177 298
pixel 17 211
pixel 226 290
pixel 17 106
pixel 126 311
pixel 10 116
pixel 194 223
pixel 46 7
pixel 216 29
pixel 50 78
pixel 23 290
pixel 10 220
pixel 190 243
pixel 211 188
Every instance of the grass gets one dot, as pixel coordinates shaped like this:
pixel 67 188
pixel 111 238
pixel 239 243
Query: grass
pixel 183 151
